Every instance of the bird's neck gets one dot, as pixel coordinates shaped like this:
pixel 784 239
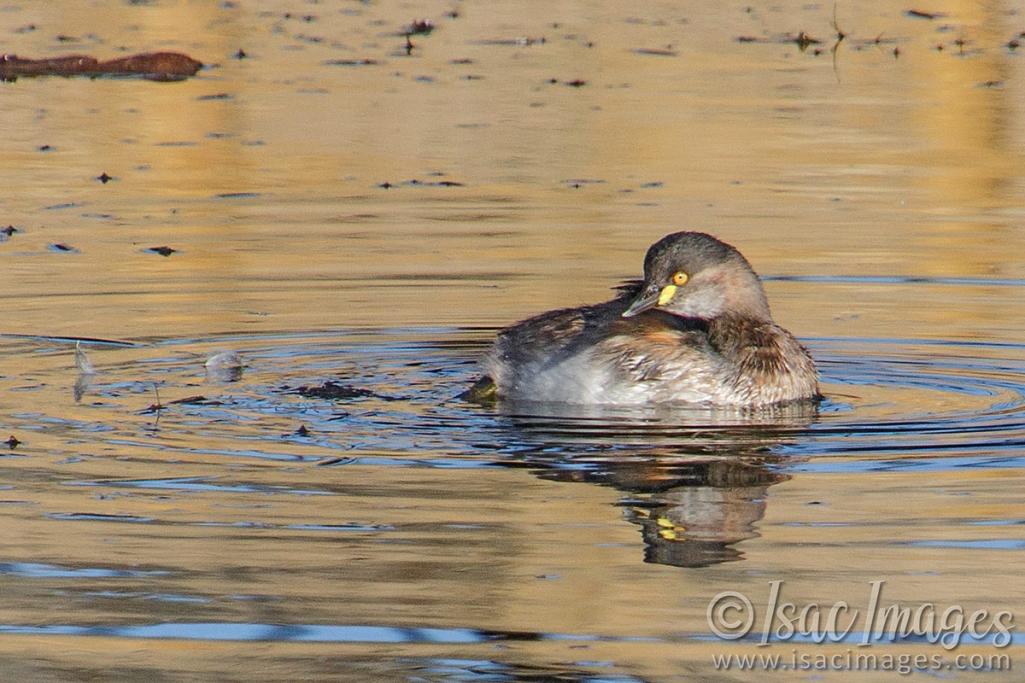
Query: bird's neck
pixel 754 343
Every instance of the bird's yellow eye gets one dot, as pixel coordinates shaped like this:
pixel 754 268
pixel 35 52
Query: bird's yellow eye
pixel 680 278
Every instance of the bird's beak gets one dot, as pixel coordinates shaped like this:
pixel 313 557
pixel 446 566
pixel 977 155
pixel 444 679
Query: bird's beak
pixel 650 298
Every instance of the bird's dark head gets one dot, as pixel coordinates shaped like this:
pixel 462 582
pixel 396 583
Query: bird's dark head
pixel 694 275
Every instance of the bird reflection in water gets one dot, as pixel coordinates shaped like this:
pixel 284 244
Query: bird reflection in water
pixel 695 480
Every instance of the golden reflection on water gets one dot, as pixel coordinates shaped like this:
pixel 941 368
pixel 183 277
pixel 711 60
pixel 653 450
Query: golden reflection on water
pixel 267 173
pixel 805 173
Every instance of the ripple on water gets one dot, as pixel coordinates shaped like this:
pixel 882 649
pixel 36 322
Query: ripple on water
pixel 693 480
pixel 889 403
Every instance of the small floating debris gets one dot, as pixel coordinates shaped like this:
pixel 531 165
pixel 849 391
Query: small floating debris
pixel 961 44
pixel 336 461
pixel 414 182
pixel 163 251
pixel 12 442
pixel 350 62
pixel 226 366
pixel 308 18
pixel 302 431
pixel 803 40
pixel 82 361
pixel 154 407
pixel 349 526
pixel 576 83
pixel 577 183
pixel 237 195
pixel 198 400
pixel 315 40
pixel 241 54
pixel 517 42
pixel 154 66
pixel 7 232
pixel 86 373
pixel 104 178
pixel 919 14
pixel 98 517
pixel 214 96
pixel 46 148
pixel 656 52
pixel 60 247
pixel 419 27
pixel 333 391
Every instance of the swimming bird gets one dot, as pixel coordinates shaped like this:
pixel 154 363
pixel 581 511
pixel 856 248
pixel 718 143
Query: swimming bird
pixel 696 330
